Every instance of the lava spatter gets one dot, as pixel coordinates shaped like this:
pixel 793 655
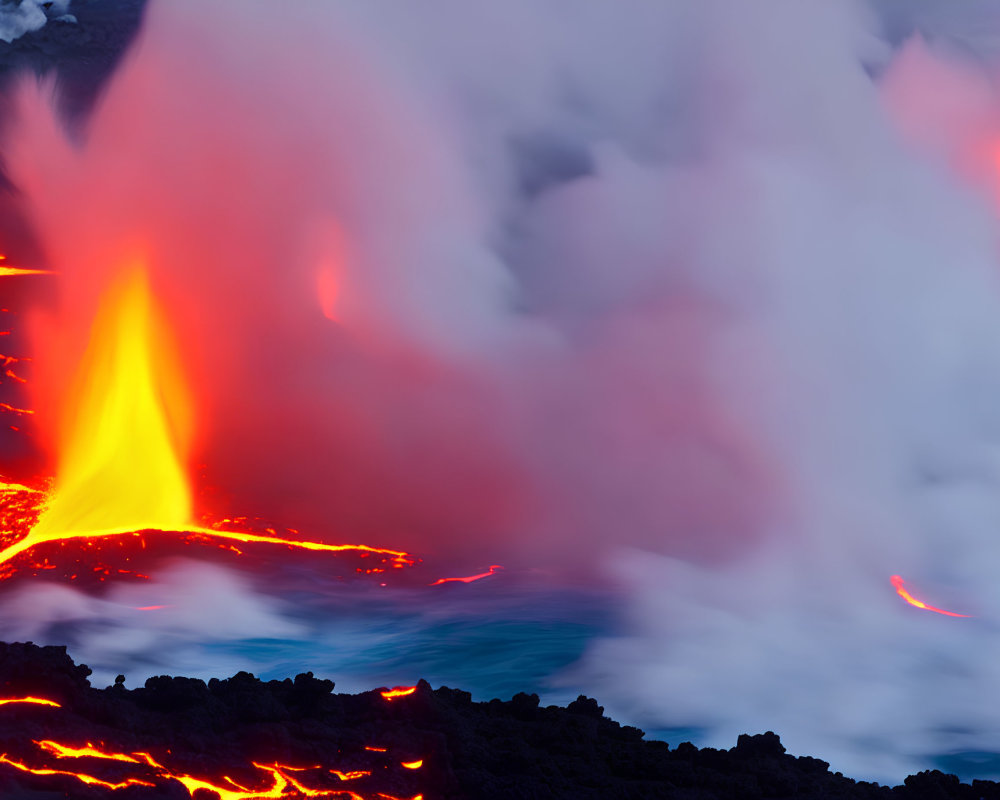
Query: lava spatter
pixel 900 587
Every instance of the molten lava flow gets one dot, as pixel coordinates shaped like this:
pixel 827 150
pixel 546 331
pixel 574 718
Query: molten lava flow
pixel 6 486
pixel 283 784
pixel 468 579
pixel 399 691
pixel 412 764
pixel 89 751
pixel 897 582
pixel 17 516
pixel 38 701
pixel 6 271
pixel 80 776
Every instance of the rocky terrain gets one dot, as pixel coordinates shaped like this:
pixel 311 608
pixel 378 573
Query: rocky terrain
pixel 177 737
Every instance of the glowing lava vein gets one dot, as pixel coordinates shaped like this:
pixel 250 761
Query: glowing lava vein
pixel 125 436
pixel 152 772
pixel 900 587
pixel 6 271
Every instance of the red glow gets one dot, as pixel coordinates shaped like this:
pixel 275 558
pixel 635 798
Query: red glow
pixel 399 691
pixel 412 764
pixel 468 579
pixel 897 582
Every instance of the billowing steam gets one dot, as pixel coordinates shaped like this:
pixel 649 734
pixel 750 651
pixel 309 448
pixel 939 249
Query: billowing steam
pixel 18 17
pixel 706 292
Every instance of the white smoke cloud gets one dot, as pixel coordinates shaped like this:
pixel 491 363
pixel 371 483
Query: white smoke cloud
pixel 173 624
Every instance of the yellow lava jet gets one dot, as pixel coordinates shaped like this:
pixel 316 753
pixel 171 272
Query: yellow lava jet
pixel 125 435
pixel 125 430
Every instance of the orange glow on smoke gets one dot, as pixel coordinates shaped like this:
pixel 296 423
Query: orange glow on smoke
pixel 898 583
pixel 468 579
pixel 38 701
pixel 399 691
pixel 327 291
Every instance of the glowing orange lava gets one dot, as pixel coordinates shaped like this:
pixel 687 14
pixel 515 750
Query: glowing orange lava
pixel 38 701
pixel 9 271
pixel 88 751
pixel 17 487
pixel 468 579
pixel 351 776
pixel 412 764
pixel 399 691
pixel 80 776
pixel 897 582
pixel 281 783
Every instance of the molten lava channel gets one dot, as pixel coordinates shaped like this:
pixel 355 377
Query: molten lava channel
pixel 6 271
pixel 152 772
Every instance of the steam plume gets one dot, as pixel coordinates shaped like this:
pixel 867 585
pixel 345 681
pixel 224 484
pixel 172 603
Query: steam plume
pixel 706 291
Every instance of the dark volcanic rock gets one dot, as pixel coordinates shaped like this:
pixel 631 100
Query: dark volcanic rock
pixel 484 751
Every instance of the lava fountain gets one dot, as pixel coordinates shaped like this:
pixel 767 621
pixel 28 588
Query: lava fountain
pixel 125 435
pixel 126 427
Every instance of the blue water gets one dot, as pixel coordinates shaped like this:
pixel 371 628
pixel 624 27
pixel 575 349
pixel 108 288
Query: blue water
pixel 490 640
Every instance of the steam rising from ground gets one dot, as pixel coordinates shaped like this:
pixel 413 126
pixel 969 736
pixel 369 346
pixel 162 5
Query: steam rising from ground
pixel 706 291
